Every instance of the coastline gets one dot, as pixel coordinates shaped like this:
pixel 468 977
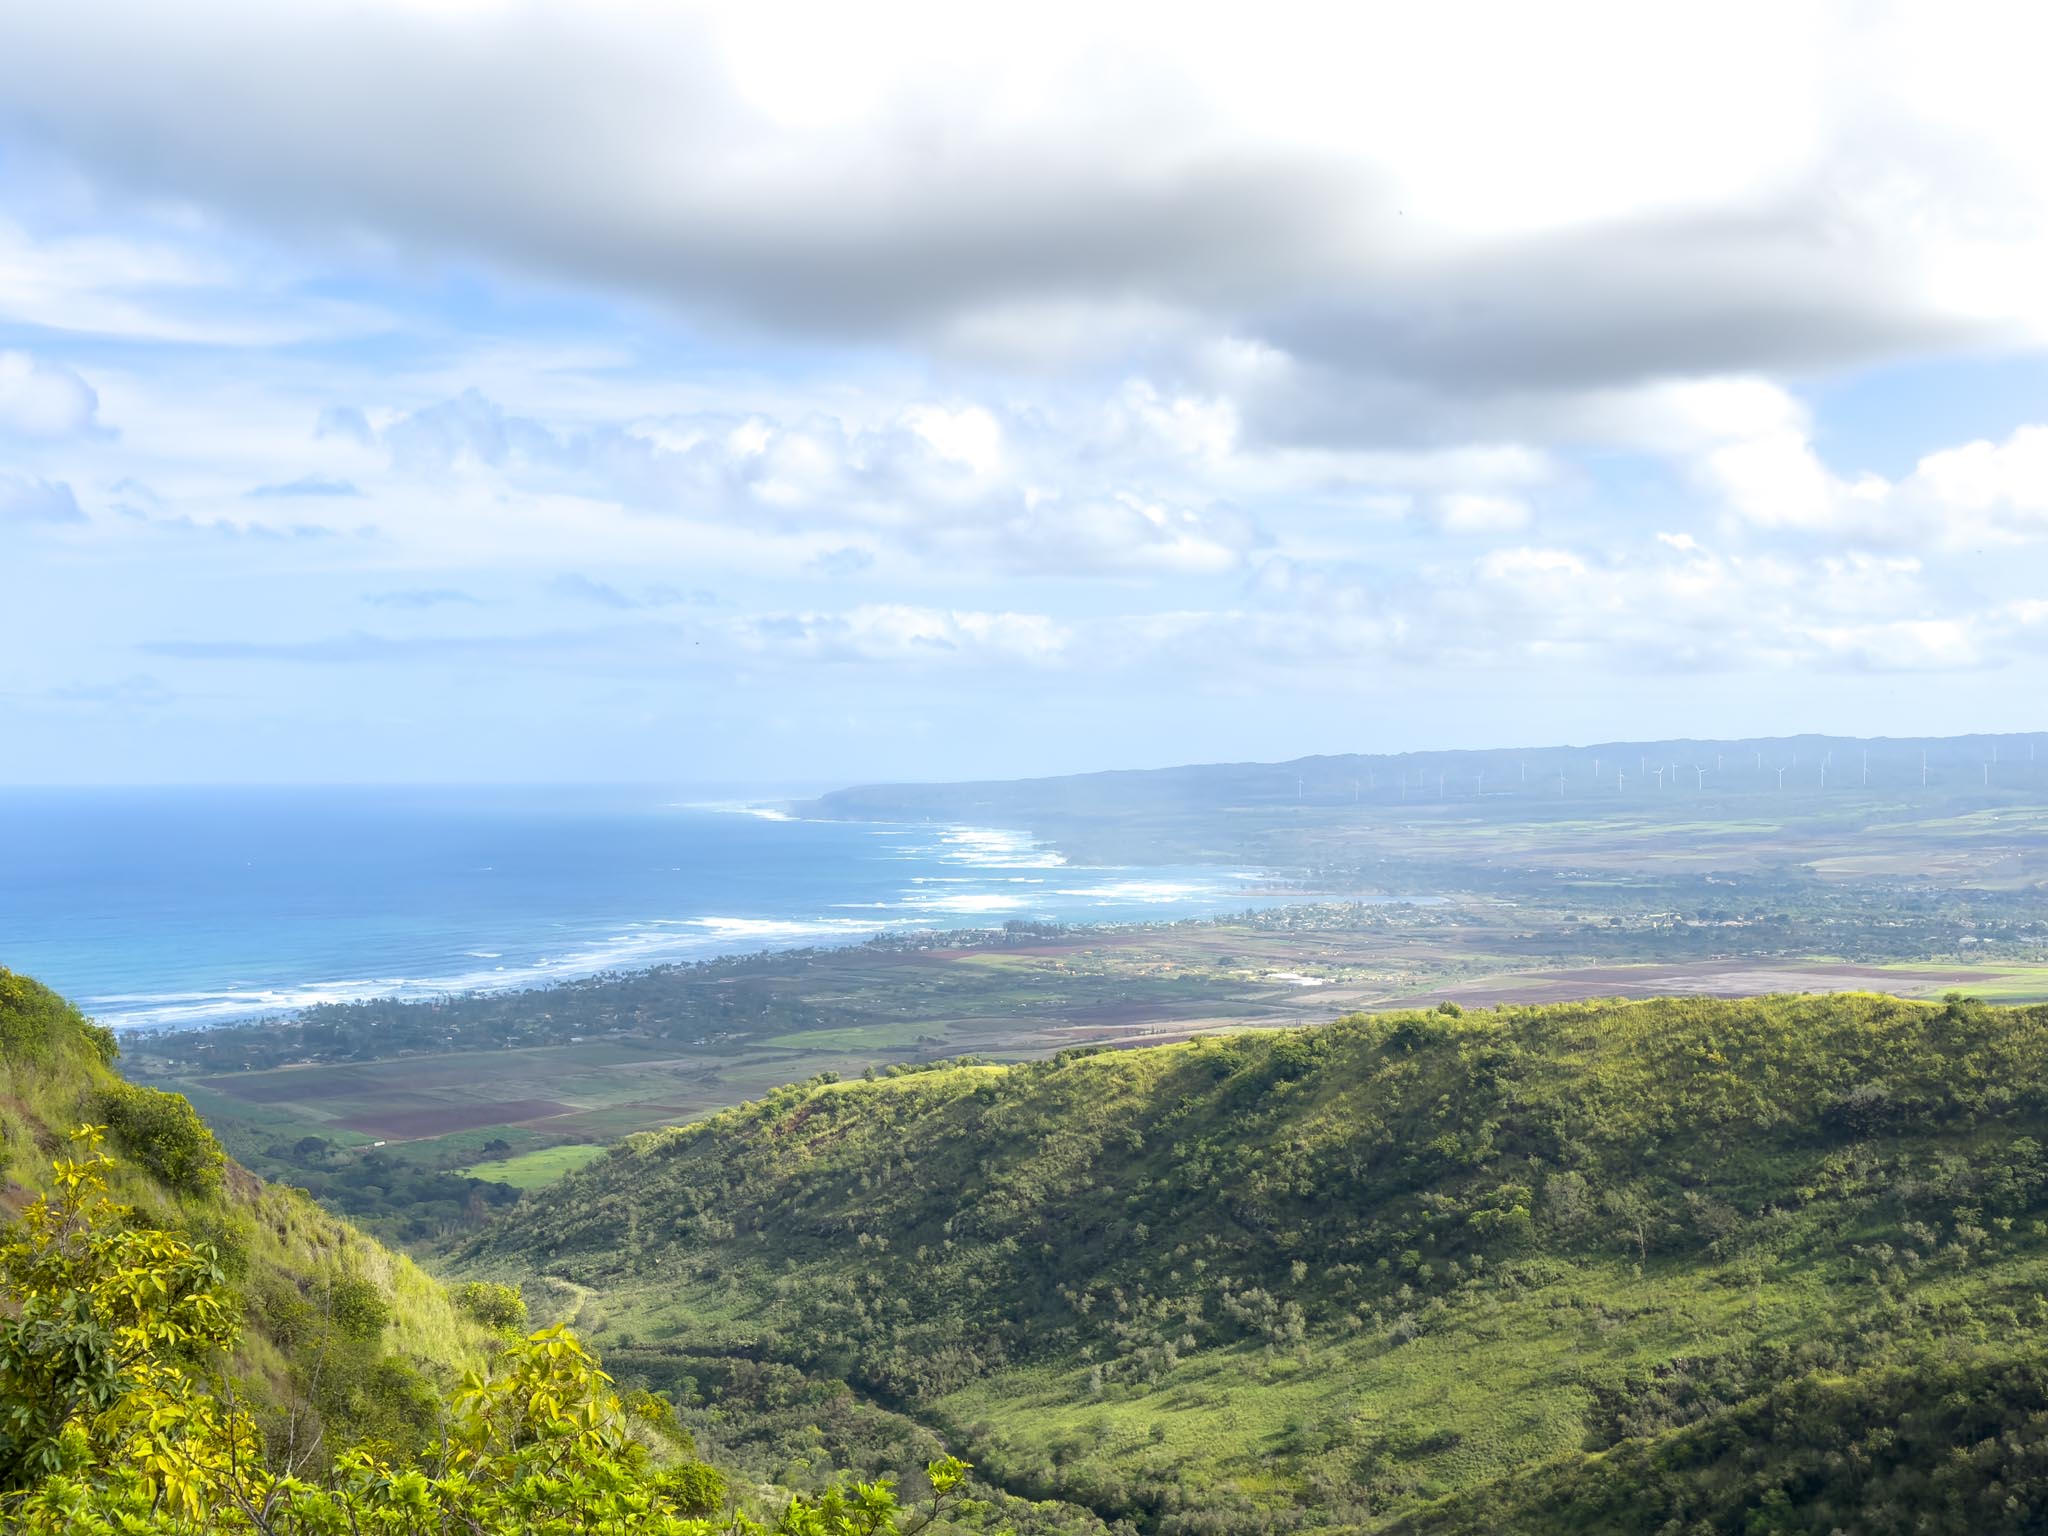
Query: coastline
pixel 969 879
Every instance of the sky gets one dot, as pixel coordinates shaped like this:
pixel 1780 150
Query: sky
pixel 490 391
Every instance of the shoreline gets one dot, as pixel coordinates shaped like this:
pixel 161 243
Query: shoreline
pixel 1024 934
pixel 985 855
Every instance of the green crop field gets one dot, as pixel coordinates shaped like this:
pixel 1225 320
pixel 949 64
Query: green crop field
pixel 537 1170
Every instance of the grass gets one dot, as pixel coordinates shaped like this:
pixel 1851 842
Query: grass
pixel 1497 1390
pixel 537 1169
pixel 860 1037
pixel 1342 1274
pixel 276 1242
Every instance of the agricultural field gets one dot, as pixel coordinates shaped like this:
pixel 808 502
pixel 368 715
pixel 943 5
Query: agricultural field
pixel 455 1105
pixel 1485 888
pixel 538 1169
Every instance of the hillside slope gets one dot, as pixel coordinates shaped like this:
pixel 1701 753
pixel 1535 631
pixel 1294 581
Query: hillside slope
pixel 1591 1267
pixel 332 1321
pixel 1787 820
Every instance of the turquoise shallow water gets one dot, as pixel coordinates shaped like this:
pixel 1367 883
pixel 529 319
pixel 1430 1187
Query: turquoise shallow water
pixel 190 906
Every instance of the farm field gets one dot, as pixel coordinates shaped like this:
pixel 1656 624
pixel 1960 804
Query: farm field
pixel 1490 890
pixel 457 1109
pixel 537 1170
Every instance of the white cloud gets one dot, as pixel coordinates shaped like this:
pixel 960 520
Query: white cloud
pixel 1203 429
pixel 969 436
pixel 44 399
pixel 1901 645
pixel 1777 481
pixel 958 484
pixel 1983 491
pixel 1768 474
pixel 31 499
pixel 1675 605
pixel 897 632
pixel 170 285
pixel 1480 512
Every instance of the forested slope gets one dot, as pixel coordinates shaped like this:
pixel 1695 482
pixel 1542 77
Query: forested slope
pixel 1767 1265
pixel 185 1349
pixel 332 1321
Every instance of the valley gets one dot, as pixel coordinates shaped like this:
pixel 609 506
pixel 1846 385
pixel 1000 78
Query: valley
pixel 1576 1137
pixel 1363 1275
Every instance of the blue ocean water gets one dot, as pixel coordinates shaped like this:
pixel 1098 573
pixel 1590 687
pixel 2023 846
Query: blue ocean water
pixel 179 907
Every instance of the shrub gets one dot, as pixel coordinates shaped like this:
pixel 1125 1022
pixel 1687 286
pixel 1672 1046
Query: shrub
pixel 111 1417
pixel 694 1487
pixel 495 1306
pixel 357 1307
pixel 33 1020
pixel 165 1134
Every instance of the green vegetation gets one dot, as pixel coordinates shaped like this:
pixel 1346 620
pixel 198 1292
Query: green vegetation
pixel 186 1350
pixel 1600 1267
pixel 495 1306
pixel 165 1134
pixel 537 1170
pixel 395 1114
pixel 117 1414
pixel 334 1334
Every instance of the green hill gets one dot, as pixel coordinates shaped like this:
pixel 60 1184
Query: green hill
pixel 359 1339
pixel 186 1349
pixel 1774 1265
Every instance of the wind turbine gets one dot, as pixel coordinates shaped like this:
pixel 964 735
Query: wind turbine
pixel 1560 783
pixel 1781 778
pixel 1866 767
pixel 1923 767
pixel 1696 768
pixel 1659 771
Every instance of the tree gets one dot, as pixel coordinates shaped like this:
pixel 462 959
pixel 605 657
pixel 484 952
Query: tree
pixel 117 1417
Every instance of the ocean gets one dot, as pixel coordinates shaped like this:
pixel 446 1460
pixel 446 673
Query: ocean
pixel 185 907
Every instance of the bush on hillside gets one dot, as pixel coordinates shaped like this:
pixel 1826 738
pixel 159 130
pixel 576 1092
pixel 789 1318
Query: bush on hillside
pixel 495 1306
pixel 357 1307
pixel 165 1134
pixel 34 1020
pixel 112 1337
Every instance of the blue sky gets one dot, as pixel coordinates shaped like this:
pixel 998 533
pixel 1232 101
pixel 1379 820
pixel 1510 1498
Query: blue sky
pixel 484 391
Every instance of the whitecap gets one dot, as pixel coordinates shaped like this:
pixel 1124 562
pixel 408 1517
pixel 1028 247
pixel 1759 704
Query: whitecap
pixel 1160 891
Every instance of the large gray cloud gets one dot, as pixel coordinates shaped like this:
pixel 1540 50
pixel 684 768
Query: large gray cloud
pixel 1791 220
